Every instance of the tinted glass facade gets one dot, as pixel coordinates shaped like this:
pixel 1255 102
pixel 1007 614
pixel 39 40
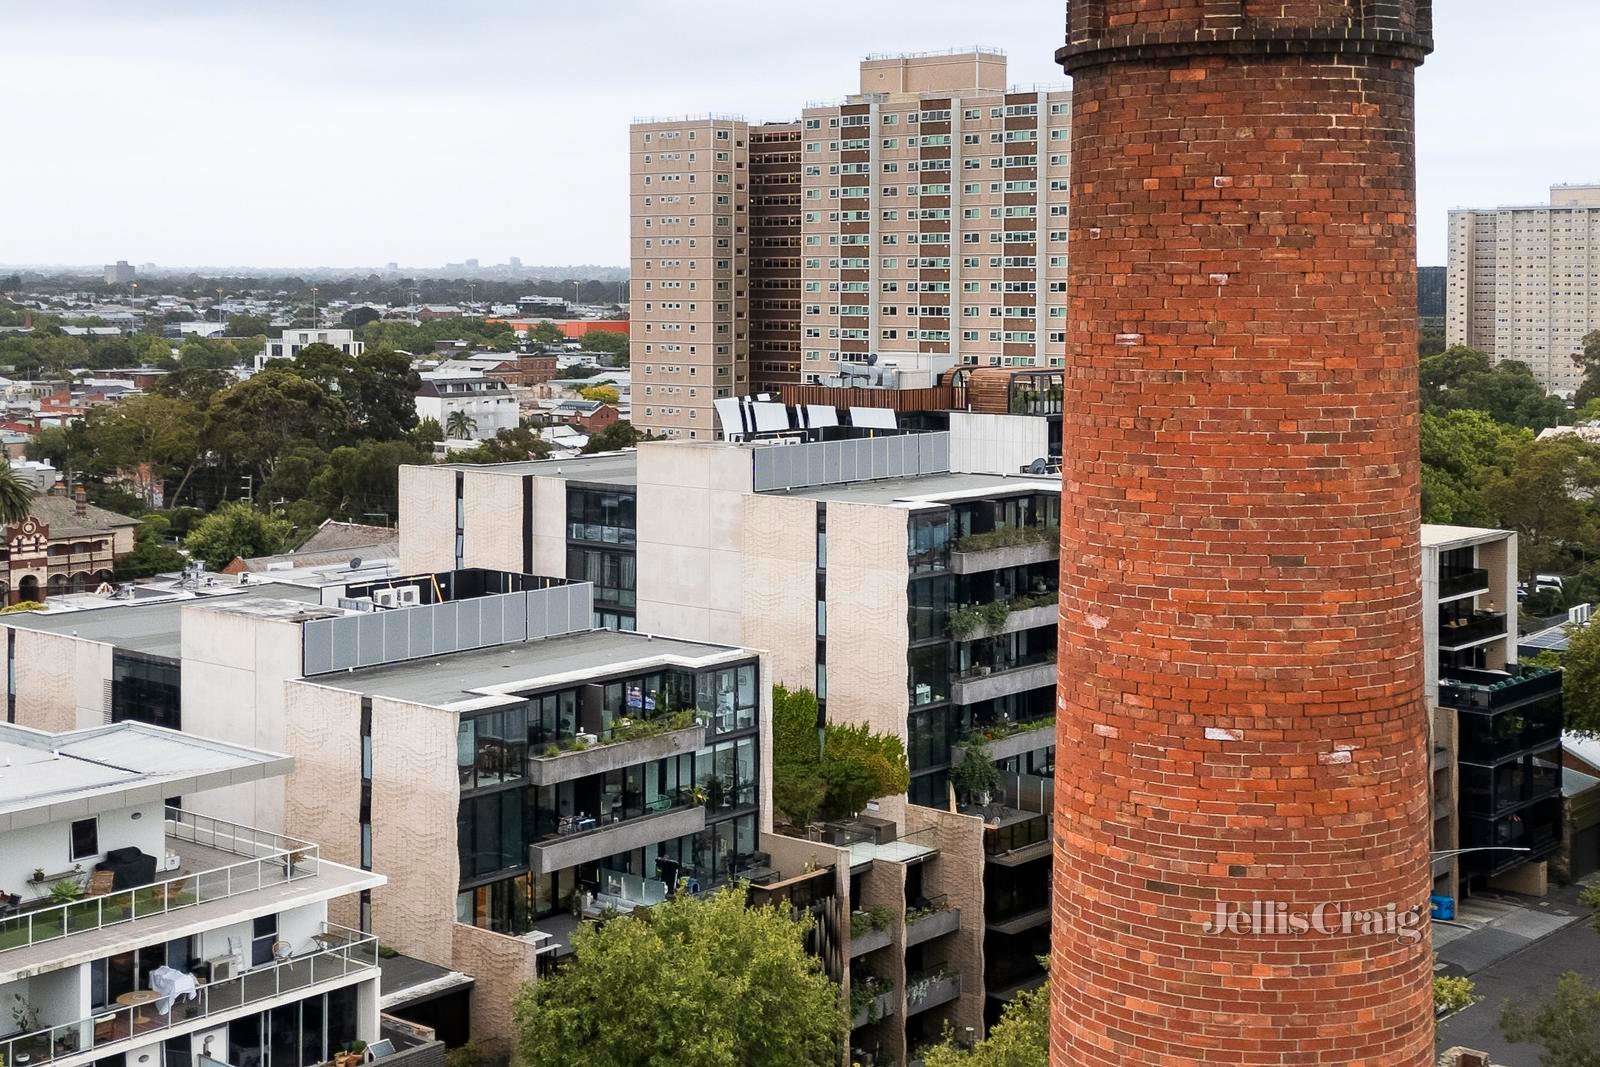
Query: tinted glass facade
pixel 146 689
pixel 601 528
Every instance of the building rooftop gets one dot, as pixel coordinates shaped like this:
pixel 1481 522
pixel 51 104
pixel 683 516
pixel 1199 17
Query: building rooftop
pixel 928 488
pixel 60 513
pixel 1435 535
pixel 151 627
pixel 606 468
pixel 47 777
pixel 468 677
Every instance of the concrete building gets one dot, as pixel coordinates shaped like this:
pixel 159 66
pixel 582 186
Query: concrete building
pixel 289 345
pixel 120 273
pixel 1496 751
pixel 920 603
pixel 907 230
pixel 690 265
pixel 1523 284
pixel 134 930
pixel 486 404
pixel 1242 719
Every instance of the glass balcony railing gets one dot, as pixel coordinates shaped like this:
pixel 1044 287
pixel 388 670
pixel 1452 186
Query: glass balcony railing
pixel 272 860
pixel 600 535
pixel 1460 582
pixel 340 953
pixel 1493 791
pixel 1467 630
pixel 1493 690
pixel 1528 833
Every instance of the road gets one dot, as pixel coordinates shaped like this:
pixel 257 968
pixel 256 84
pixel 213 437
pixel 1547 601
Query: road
pixel 1527 974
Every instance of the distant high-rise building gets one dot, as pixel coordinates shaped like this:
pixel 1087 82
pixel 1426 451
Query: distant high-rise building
pixel 1521 285
pixel 906 230
pixel 1430 291
pixel 472 264
pixel 515 263
pixel 120 273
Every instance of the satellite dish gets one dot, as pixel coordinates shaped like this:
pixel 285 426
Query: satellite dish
pixel 355 561
pixel 1037 467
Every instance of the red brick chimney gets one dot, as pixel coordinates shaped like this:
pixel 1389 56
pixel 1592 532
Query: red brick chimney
pixel 80 501
pixel 1241 724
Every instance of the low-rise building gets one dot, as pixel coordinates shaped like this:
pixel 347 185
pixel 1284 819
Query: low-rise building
pixel 134 930
pixel 467 407
pixel 289 345
pixel 65 545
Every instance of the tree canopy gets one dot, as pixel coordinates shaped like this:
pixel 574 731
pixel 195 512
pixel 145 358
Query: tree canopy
pixel 236 530
pixel 1021 1038
pixel 706 982
pixel 1566 1026
pixel 832 776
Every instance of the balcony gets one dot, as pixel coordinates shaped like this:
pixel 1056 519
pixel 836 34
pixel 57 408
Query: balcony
pixel 1006 547
pixel 934 919
pixel 1008 739
pixel 1470 630
pixel 871 1001
pixel 1454 583
pixel 641 741
pixel 981 682
pixel 1496 690
pixel 340 954
pixel 1535 827
pixel 1012 837
pixel 587 842
pixel 929 989
pixel 204 847
pixel 1498 790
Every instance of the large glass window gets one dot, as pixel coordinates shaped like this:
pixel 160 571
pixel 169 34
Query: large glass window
pixel 928 602
pixel 492 748
pixel 604 516
pixel 928 542
pixel 489 834
pixel 929 675
pixel 146 689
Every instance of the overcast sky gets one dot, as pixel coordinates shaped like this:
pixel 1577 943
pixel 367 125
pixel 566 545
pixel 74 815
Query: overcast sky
pixel 319 132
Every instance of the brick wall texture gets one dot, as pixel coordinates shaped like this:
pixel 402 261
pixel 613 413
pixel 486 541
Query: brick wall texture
pixel 1241 667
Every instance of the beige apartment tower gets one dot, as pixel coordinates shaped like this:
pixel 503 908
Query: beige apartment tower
pixel 1524 282
pixel 915 227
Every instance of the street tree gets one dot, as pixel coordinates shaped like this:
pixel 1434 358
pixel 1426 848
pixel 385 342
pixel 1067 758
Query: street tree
pixel 1542 490
pixel 460 425
pixel 1565 1027
pixel 545 332
pixel 619 435
pixel 1021 1037
pixel 710 982
pixel 1458 449
pixel 1580 689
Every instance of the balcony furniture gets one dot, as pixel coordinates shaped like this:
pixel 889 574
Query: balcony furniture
pixel 129 866
pixel 10 904
pixel 101 883
pixel 136 1000
pixel 105 1028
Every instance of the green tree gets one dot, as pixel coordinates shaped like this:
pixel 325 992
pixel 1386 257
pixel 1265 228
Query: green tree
pixel 1588 358
pixel 545 333
pixel 1566 1027
pixel 620 434
pixel 709 982
pixel 507 446
pixel 150 555
pixel 1461 377
pixel 608 341
pixel 248 326
pixel 293 471
pixel 976 775
pixel 1021 1038
pixel 1458 449
pixel 1542 489
pixel 377 389
pixel 1580 688
pixel 427 432
pixel 163 431
pixel 459 425
pixel 248 423
pixel 605 394
pixel 16 495
pixel 236 530
pixel 834 779
pixel 362 481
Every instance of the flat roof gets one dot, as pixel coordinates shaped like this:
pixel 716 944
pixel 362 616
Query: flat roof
pixel 483 675
pixel 152 628
pixel 1435 535
pixel 946 487
pixel 609 468
pixel 50 777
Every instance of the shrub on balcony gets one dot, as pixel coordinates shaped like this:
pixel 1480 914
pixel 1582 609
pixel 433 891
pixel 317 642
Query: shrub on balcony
pixel 1008 537
pixel 855 763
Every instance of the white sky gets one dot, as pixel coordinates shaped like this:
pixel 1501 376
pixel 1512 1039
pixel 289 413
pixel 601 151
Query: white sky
pixel 347 132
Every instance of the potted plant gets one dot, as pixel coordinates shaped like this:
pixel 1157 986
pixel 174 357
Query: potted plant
pixel 37 875
pixel 293 860
pixel 65 891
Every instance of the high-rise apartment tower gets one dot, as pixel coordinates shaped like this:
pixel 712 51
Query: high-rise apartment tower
pixel 1523 283
pixel 916 227
pixel 1241 726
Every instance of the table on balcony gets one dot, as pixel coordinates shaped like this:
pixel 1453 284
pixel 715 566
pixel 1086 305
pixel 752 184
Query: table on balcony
pixel 136 1000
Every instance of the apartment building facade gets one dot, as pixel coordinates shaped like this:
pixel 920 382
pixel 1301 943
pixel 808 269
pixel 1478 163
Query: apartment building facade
pixel 916 227
pixel 1495 756
pixel 134 931
pixel 1524 282
pixel 690 270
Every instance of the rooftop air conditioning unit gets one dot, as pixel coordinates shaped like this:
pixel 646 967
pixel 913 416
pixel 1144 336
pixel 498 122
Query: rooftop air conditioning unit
pixel 386 598
pixel 410 596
